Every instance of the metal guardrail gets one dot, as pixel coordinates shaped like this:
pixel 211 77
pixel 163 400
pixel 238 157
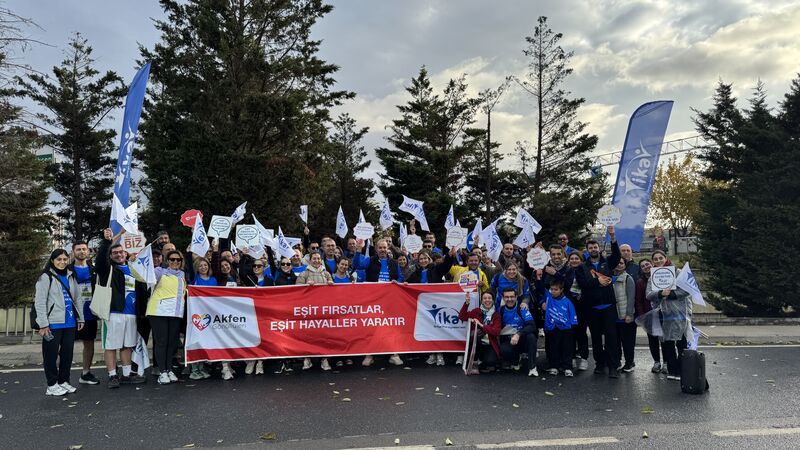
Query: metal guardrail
pixel 15 321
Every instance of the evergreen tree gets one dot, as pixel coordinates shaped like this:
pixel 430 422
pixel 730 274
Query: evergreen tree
pixel 348 160
pixel 430 144
pixel 78 99
pixel 23 184
pixel 239 102
pixel 557 186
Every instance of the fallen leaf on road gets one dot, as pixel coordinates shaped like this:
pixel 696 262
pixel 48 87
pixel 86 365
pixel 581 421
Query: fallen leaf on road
pixel 346 399
pixel 397 441
pixel 336 392
pixel 331 384
pixel 438 393
pixel 3 391
pixel 755 374
pixel 188 446
pixel 609 410
pixel 549 393
pixel 271 436
pixel 448 442
pixel 89 415
pixel 419 388
pixel 58 425
pixel 71 406
pixel 406 368
pixel 453 386
pixel 400 403
pixel 347 390
pixel 384 398
pixel 191 385
pixel 647 410
pixel 769 381
pixel 437 389
pixel 97 402
pixel 76 447
pixel 515 405
pixel 645 435
pixel 278 389
pixel 219 441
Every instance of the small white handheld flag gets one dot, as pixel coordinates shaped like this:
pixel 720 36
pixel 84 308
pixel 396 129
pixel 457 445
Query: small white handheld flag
pixel 284 248
pixel 414 207
pixel 361 218
pixel 127 218
pixel 140 355
pixel 341 225
pixel 239 213
pixel 142 266
pixel 524 219
pixel 386 216
pixel 686 281
pixel 525 238
pixel 450 222
pixel 200 242
pixel 267 236
pixel 304 213
pixel 403 234
pixel 492 241
pixel 476 232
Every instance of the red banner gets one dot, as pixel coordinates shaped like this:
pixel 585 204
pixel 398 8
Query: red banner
pixel 338 320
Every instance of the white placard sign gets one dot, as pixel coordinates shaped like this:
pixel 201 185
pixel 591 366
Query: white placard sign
pixel 220 227
pixel 538 258
pixel 133 243
pixel 609 215
pixel 364 230
pixel 662 277
pixel 413 243
pixel 457 237
pixel 247 236
pixel 468 281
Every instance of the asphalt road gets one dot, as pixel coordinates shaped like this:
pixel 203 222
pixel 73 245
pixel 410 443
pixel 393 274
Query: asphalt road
pixel 751 389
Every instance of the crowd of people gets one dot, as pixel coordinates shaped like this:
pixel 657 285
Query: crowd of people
pixel 578 294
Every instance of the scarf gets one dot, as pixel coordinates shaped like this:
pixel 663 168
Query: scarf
pixel 487 314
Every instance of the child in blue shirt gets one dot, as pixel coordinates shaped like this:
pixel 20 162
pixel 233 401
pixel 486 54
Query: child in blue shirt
pixel 559 319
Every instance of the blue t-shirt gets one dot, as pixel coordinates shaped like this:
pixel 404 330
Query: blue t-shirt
pixel 424 277
pixel 560 314
pixel 383 275
pixel 84 278
pixel 299 269
pixel 500 283
pixel 515 317
pixel 130 291
pixel 331 263
pixel 69 314
pixel 341 280
pixel 199 281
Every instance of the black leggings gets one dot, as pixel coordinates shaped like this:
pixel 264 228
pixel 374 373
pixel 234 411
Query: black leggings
pixel 672 355
pixel 559 347
pixel 60 348
pixel 655 348
pixel 603 323
pixel 581 336
pixel 166 331
pixel 526 344
pixel 626 336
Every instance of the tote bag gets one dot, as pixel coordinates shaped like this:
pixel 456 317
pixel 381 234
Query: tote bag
pixel 101 299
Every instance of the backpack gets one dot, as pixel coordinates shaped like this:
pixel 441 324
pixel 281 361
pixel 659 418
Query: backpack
pixel 34 315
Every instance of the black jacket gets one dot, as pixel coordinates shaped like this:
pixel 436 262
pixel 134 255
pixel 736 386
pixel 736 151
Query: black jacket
pixel 592 293
pixel 436 272
pixel 374 269
pixel 102 267
pixel 565 274
pixel 285 279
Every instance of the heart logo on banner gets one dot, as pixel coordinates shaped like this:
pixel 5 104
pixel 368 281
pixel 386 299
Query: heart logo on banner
pixel 201 322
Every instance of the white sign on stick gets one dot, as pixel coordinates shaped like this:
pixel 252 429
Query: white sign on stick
pixel 220 227
pixel 247 236
pixel 662 277
pixel 609 215
pixel 133 243
pixel 538 258
pixel 364 230
pixel 457 237
pixel 413 243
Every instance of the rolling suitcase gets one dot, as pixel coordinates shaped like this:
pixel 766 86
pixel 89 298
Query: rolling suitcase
pixel 693 372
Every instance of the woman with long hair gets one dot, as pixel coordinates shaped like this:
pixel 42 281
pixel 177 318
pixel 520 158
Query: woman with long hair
pixel 511 277
pixel 58 316
pixel 165 310
pixel 643 306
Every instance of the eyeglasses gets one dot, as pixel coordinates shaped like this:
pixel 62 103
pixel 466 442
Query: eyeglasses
pixel 286 264
pixel 427 246
pixel 314 248
pixel 175 259
pixel 258 266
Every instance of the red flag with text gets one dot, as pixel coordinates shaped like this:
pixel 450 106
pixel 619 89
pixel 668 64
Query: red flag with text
pixel 336 320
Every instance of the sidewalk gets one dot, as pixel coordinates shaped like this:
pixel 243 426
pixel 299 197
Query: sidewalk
pixel 24 352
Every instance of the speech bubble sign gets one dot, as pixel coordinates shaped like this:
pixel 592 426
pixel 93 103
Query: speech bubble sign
pixel 662 277
pixel 364 230
pixel 247 236
pixel 220 227
pixel 468 281
pixel 609 215
pixel 133 243
pixel 457 237
pixel 413 243
pixel 538 258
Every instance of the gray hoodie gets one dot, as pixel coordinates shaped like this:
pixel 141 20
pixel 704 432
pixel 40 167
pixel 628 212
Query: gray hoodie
pixel 49 299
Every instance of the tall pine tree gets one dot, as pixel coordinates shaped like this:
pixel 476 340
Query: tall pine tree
pixel 238 107
pixel 429 145
pixel 557 186
pixel 78 100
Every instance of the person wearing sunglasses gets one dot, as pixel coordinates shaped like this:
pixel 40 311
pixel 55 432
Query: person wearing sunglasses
pixel 165 310
pixel 285 276
pixel 315 274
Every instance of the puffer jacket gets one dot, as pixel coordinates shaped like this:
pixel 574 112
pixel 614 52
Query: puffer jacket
pixel 676 311
pixel 317 275
pixel 625 293
pixel 49 299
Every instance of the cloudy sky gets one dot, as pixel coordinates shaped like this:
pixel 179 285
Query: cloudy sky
pixel 626 52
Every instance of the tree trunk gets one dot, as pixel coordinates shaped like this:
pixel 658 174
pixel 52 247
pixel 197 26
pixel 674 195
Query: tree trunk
pixel 488 164
pixel 537 182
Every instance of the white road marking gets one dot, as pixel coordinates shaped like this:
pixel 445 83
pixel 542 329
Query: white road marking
pixel 41 369
pixel 407 447
pixel 552 442
pixel 756 432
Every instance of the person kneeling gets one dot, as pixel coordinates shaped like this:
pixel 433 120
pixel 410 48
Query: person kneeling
pixel 488 322
pixel 518 335
pixel 559 318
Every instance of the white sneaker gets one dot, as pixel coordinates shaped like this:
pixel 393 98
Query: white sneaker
pixel 55 390
pixel 568 373
pixel 172 377
pixel 552 372
pixel 164 378
pixel 583 364
pixel 260 368
pixel 431 360
pixel 533 372
pixel 395 360
pixel 248 369
pixel 325 365
pixel 227 372
pixel 306 363
pixel 368 360
pixel 439 359
pixel 68 387
pixel 460 360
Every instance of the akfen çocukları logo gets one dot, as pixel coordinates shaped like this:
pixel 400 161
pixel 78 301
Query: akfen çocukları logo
pixel 218 321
